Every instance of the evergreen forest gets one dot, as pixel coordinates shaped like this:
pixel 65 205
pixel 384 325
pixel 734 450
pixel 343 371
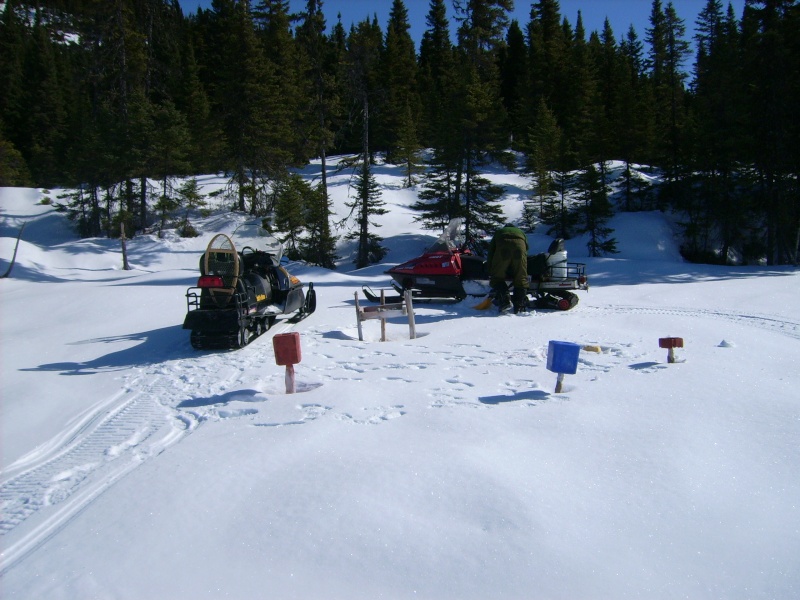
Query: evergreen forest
pixel 122 102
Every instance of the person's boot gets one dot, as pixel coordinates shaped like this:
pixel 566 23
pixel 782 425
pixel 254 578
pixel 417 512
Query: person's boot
pixel 520 300
pixel 501 298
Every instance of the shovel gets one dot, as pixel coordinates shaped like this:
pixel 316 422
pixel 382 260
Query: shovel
pixel 484 304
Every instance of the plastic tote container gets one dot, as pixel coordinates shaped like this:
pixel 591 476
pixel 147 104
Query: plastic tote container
pixel 557 260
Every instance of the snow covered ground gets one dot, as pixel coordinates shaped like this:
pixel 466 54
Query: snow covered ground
pixel 444 467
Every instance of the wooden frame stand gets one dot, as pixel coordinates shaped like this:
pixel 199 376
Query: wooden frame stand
pixel 383 311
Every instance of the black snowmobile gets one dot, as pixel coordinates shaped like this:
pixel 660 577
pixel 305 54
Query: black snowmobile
pixel 240 293
pixel 454 268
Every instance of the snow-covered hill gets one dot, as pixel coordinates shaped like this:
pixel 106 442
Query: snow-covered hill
pixel 440 467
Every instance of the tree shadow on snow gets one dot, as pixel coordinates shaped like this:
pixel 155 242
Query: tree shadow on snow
pixel 155 346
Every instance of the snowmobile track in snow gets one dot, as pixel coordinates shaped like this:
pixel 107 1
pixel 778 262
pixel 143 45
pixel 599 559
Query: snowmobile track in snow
pixel 773 323
pixel 44 490
pixel 104 447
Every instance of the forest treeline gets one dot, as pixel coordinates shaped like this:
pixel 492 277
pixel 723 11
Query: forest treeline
pixel 120 99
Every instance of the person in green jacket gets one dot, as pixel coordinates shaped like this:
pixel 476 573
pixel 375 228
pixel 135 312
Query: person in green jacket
pixel 508 259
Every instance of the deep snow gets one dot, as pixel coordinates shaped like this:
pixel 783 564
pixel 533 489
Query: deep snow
pixel 440 467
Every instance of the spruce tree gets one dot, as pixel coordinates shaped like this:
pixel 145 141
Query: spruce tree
pixel 544 143
pixel 206 137
pixel 318 246
pixel 482 126
pixel 513 57
pixel 635 114
pixel 13 169
pixel 440 90
pixel 291 196
pixel 580 113
pixel 46 117
pixel 439 200
pixel 12 82
pixel 247 96
pixel 547 61
pixel 717 115
pixel 323 107
pixel 366 204
pixel 437 82
pixel 399 75
pixel 169 145
pixel 408 151
pixel 668 52
pixel 364 47
pixel 596 211
pixel 272 22
pixel 189 198
pixel 770 40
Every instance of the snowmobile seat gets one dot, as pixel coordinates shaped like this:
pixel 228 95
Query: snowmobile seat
pixel 473 267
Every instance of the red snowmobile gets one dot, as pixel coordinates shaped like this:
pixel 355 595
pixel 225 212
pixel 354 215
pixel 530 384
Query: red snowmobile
pixel 454 268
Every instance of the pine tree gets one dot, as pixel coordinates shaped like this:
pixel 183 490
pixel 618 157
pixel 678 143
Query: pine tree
pixel 513 57
pixel 46 117
pixel 362 83
pixel 548 58
pixel 678 51
pixel 399 74
pixel 291 196
pixel 259 138
pixel 635 114
pixel 544 142
pixel 441 93
pixel 364 47
pixel 165 206
pixel 207 140
pixel 169 145
pixel 613 88
pixel 318 246
pixel 580 111
pixel 668 52
pixel 190 198
pixel 366 204
pixel 597 210
pixel 12 81
pixel 437 81
pixel 408 149
pixel 13 169
pixel 485 214
pixel 771 66
pixel 438 201
pixel 319 61
pixel 557 212
pixel 718 106
pixel 655 37
pixel 482 126
pixel 272 21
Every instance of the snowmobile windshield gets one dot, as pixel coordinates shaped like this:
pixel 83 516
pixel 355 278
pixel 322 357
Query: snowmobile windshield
pixel 253 235
pixel 452 237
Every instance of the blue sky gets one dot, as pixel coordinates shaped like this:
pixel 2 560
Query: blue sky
pixel 621 13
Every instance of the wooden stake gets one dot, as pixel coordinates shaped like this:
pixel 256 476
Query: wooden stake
pixel 412 326
pixel 290 386
pixel 125 265
pixel 383 321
